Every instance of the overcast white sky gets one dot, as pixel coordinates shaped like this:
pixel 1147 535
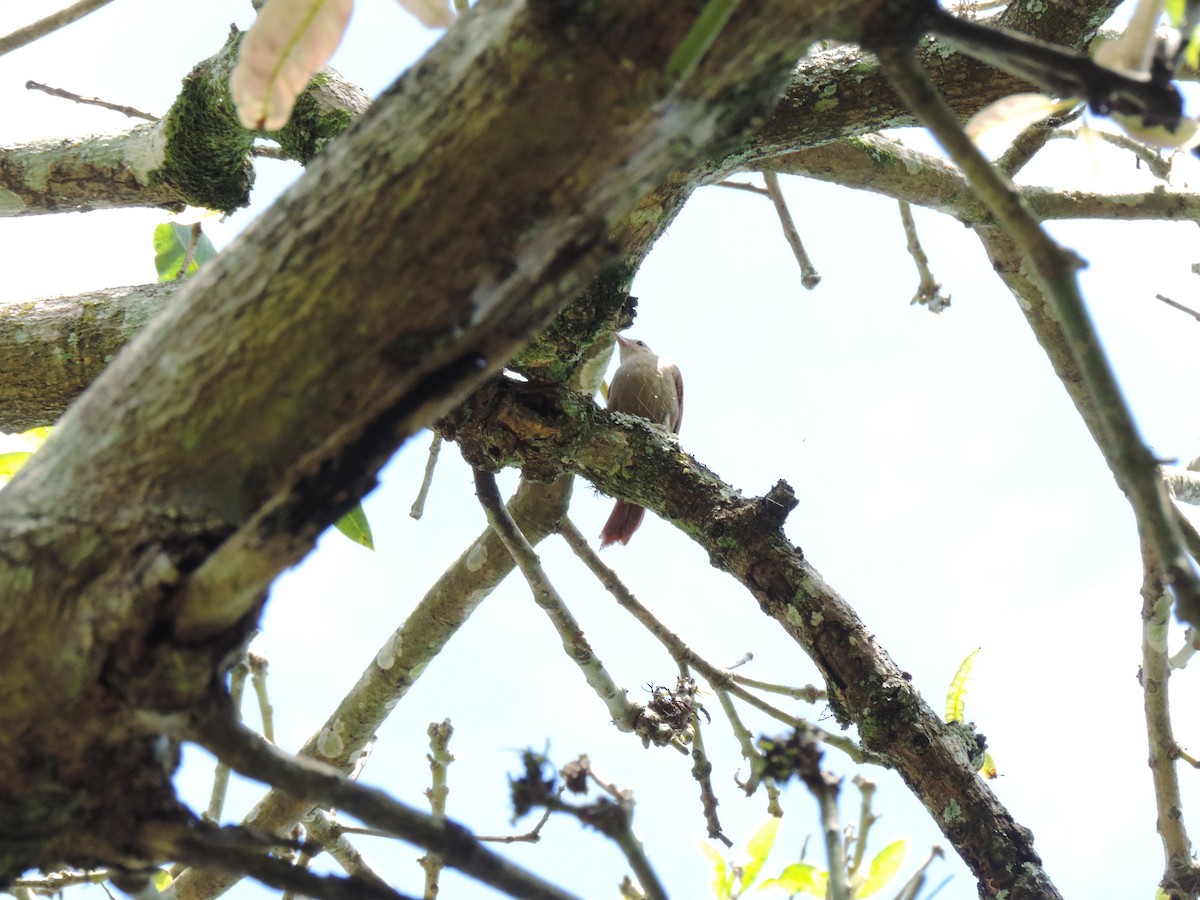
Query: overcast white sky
pixel 947 489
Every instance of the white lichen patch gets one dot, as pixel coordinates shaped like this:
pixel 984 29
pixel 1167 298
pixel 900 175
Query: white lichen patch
pixel 330 742
pixel 392 648
pixel 476 557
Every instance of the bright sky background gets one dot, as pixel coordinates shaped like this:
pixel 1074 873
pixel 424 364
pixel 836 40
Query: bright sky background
pixel 947 489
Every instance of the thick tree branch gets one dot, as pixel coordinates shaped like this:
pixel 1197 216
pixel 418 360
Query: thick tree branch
pixel 51 350
pixel 889 167
pixel 198 153
pixel 258 407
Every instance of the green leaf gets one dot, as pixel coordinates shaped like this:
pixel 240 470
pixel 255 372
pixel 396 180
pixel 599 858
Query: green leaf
pixel 355 526
pixel 799 878
pixel 884 866
pixel 1175 12
pixel 758 848
pixel 722 883
pixel 162 879
pixel 171 241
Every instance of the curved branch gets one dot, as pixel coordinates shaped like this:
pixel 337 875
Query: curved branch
pixel 745 538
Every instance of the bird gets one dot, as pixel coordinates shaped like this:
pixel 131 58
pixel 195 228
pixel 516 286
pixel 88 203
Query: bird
pixel 647 385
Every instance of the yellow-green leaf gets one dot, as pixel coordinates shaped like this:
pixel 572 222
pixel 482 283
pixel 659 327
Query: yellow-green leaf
pixel 799 878
pixel 355 526
pixel 758 848
pixel 956 696
pixel 884 866
pixel 988 770
pixel 10 462
pixel 162 879
pixel 722 882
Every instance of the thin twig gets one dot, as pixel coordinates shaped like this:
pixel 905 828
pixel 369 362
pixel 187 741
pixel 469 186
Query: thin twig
pixel 717 678
pixel 237 686
pixel 624 714
pixel 743 186
pixel 808 693
pixel 866 818
pixel 90 101
pixel 57 882
pixel 331 836
pixel 745 741
pixel 268 151
pixel 1179 306
pixel 532 836
pixel 418 507
pixel 1155 680
pixel 224 850
pixel 808 273
pixel 929 290
pixel 614 819
pixel 253 757
pixel 1159 165
pixel 258 677
pixel 51 23
pixel 439 758
pixel 1120 443
pixel 913 886
pixel 702 772
pixel 1033 139
pixel 190 253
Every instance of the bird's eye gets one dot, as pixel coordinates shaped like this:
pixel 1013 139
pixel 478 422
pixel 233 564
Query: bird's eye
pixel 640 343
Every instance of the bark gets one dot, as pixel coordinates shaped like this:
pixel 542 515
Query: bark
pixel 416 257
pixel 258 406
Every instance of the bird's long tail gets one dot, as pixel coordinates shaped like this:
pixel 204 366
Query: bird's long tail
pixel 624 521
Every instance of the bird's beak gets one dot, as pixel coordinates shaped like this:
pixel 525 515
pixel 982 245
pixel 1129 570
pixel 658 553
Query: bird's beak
pixel 622 341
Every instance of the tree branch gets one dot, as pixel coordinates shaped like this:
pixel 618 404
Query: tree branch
pixel 1130 459
pixel 248 754
pixel 49 24
pixel 745 538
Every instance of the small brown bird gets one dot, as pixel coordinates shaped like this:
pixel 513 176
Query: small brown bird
pixel 647 385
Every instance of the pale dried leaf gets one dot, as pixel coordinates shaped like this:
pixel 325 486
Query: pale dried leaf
pixel 997 125
pixel 290 42
pixel 431 13
pixel 1133 51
